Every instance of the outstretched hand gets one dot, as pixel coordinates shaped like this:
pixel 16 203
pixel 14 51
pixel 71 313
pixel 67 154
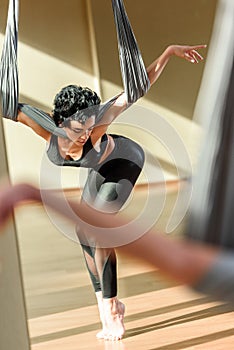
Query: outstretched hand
pixel 190 53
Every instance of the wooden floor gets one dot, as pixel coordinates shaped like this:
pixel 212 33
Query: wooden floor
pixel 61 306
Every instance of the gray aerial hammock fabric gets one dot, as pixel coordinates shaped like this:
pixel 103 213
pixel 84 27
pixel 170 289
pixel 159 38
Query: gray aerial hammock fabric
pixel 47 122
pixel 134 75
pixel 9 87
pixel 42 118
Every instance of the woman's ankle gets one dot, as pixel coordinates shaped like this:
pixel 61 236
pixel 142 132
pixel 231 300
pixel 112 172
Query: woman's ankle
pixel 99 295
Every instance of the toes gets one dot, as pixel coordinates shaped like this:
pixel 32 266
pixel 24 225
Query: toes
pixel 101 335
pixel 114 334
pixel 113 337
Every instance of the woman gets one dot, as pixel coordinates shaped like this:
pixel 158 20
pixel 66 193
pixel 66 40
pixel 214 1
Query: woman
pixel 112 160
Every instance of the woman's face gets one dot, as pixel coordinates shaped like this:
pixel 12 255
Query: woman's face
pixel 79 133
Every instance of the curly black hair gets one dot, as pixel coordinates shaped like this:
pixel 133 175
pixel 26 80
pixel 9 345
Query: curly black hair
pixel 73 98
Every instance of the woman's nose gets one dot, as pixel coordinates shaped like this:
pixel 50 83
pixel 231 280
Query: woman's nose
pixel 85 133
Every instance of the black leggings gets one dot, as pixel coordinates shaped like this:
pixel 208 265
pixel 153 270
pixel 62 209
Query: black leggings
pixel 109 185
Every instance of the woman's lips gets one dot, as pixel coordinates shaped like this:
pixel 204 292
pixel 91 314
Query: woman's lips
pixel 81 141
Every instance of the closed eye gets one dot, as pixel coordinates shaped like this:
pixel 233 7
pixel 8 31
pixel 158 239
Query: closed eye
pixel 78 131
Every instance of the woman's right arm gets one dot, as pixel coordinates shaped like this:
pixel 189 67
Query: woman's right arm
pixel 24 119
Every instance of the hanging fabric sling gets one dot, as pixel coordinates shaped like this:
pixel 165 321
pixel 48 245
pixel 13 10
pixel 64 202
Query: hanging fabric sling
pixel 135 79
pixel 134 75
pixel 8 67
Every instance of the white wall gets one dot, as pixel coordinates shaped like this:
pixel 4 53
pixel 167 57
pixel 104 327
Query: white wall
pixel 45 66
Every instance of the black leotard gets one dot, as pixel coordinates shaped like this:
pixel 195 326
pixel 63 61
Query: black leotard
pixel 89 158
pixel 125 156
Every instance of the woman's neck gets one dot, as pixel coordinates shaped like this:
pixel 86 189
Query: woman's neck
pixel 68 145
pixel 69 148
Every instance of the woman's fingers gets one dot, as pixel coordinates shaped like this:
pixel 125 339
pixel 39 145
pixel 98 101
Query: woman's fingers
pixel 190 57
pixel 193 56
pixel 197 55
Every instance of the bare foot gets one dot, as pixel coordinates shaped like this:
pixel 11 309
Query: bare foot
pixel 114 319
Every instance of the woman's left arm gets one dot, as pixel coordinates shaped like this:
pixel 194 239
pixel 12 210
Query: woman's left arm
pixel 154 70
pixel 190 53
